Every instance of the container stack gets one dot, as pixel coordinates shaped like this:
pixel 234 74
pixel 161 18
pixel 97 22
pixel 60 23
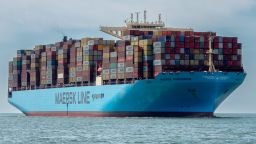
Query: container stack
pixel 160 57
pixel 43 65
pixel 79 62
pixel 106 63
pixel 10 74
pixel 227 53
pixel 138 65
pixel 142 55
pixel 35 66
pixel 129 67
pixel 51 70
pixel 62 70
pixel 72 65
pixel 35 72
pixel 88 64
pixel 121 58
pixel 25 72
pixel 147 47
pixel 113 65
pixel 16 70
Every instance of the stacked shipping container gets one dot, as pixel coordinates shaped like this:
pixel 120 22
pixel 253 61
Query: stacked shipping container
pixel 142 55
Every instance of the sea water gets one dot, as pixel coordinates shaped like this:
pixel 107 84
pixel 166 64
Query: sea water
pixel 224 128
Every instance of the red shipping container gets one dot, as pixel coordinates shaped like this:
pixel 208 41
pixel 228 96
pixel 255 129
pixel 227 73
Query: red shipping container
pixel 121 59
pixel 167 44
pixel 129 58
pixel 168 50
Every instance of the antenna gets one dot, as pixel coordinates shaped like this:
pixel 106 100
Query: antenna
pixel 145 16
pixel 131 17
pixel 137 16
pixel 159 18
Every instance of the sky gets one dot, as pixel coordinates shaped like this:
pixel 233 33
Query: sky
pixel 26 23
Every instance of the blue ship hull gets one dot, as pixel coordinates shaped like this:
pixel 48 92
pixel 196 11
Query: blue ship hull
pixel 169 94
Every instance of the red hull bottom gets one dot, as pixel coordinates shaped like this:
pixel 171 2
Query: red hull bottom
pixel 121 114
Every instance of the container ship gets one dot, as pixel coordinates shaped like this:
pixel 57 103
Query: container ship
pixel 152 70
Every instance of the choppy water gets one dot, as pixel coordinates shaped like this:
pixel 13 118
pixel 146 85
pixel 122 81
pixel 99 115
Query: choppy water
pixel 226 128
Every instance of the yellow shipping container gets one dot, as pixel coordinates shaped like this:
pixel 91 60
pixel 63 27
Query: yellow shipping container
pixel 145 42
pixel 72 69
pixel 100 47
pixel 72 79
pixel 134 43
pixel 84 41
pixel 87 58
pixel 105 55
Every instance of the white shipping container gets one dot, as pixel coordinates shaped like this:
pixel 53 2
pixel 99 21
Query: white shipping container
pixel 129 48
pixel 93 42
pixel 129 69
pixel 220 57
pixel 105 71
pixel 120 65
pixel 159 62
pixel 60 75
pixel 87 47
pixel 79 79
pixel 79 68
pixel 113 54
pixel 129 53
pixel 239 52
pixel 112 71
pixel 159 44
pixel 158 50
pixel 127 37
pixel 220 45
pixel 88 62
pixel 120 70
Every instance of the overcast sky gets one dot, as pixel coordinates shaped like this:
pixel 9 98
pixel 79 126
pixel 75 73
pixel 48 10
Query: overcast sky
pixel 26 23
